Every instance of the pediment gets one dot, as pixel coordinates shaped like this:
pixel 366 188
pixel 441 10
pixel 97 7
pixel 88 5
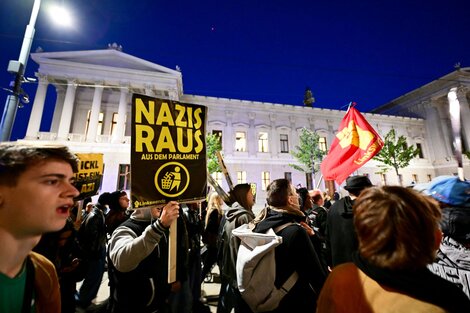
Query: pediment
pixel 110 58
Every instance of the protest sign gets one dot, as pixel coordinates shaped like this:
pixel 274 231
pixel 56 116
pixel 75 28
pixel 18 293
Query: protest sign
pixel 90 174
pixel 168 151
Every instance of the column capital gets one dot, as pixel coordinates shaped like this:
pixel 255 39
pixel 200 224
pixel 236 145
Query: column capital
pixel 251 115
pixel 229 114
pixel 272 117
pixel 42 78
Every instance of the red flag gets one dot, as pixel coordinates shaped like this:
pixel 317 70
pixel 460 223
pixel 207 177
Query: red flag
pixel 356 143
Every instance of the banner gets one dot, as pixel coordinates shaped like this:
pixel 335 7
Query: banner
pixel 168 151
pixel 90 174
pixel 356 143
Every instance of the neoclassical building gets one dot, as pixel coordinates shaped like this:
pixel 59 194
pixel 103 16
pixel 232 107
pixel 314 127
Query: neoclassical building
pixel 93 105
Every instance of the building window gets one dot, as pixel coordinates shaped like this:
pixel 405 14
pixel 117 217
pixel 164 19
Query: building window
pixel 124 180
pixel 420 151
pixel 265 180
pixel 288 176
pixel 241 177
pixel 113 123
pixel 429 177
pixel 240 141
pixel 322 144
pixel 414 177
pixel 383 179
pixel 100 123
pixel 263 142
pixel 284 143
pixel 218 177
pixel 218 134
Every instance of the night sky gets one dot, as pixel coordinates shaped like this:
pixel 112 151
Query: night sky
pixel 370 52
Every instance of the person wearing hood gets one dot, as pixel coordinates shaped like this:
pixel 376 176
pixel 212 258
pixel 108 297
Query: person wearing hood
pixel 118 204
pixel 239 213
pixel 92 239
pixel 296 253
pixel 138 260
pixel 340 236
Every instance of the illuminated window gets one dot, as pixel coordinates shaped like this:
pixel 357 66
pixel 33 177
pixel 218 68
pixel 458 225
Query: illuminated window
pixel 322 143
pixel 284 143
pixel 265 180
pixel 218 177
pixel 218 134
pixel 240 141
pixel 100 123
pixel 124 179
pixel 263 142
pixel 113 123
pixel 415 178
pixel 241 177
pixel 420 151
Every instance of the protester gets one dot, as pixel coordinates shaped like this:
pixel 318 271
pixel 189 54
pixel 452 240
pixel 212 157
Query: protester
pixel 92 239
pixel 240 212
pixel 63 250
pixel 195 227
pixel 138 261
pixel 453 259
pixel 398 233
pixel 340 237
pixel 118 204
pixel 36 193
pixel 296 253
pixel 209 237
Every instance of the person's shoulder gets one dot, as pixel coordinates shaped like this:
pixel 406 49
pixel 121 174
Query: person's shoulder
pixel 44 270
pixel 40 261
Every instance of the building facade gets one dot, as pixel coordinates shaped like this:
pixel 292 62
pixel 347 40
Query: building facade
pixel 93 106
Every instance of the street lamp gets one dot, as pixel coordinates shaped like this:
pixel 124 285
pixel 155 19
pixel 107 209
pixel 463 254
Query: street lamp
pixel 18 68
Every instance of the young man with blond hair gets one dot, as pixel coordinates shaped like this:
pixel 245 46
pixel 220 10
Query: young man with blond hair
pixel 36 193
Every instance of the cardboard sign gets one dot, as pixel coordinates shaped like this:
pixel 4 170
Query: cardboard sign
pixel 168 151
pixel 90 174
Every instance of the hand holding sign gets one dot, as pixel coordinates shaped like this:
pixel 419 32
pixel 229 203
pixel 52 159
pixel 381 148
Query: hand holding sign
pixel 170 213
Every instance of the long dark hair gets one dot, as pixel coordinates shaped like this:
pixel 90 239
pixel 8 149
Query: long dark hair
pixel 238 194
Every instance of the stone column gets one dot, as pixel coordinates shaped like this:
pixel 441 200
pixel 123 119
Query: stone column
pixel 95 114
pixel 37 109
pixel 464 115
pixel 67 111
pixel 294 135
pixel 274 137
pixel 434 131
pixel 119 131
pixel 59 105
pixel 251 136
pixel 228 138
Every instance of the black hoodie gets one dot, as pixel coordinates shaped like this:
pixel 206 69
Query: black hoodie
pixel 341 239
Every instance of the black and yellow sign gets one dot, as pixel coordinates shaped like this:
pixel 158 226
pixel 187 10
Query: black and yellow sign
pixel 90 174
pixel 168 154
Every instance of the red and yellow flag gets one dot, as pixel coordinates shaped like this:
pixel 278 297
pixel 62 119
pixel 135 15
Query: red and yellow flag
pixel 356 143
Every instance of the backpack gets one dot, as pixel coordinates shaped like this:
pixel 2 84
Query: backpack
pixel 256 268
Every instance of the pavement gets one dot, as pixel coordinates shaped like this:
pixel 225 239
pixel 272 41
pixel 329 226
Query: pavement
pixel 210 289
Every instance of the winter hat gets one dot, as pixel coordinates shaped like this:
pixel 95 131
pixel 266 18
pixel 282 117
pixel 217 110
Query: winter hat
pixel 113 201
pixel 450 190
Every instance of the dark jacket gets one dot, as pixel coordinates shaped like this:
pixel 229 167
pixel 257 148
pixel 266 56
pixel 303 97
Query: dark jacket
pixel 341 239
pixel 228 244
pixel 138 265
pixel 92 234
pixel 296 253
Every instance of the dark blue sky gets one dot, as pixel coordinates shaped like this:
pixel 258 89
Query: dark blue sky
pixel 367 51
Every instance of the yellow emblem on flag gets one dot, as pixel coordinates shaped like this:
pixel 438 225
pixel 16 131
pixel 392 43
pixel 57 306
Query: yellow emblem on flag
pixel 355 136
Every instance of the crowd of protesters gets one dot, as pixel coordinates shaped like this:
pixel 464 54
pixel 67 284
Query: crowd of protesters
pixel 378 249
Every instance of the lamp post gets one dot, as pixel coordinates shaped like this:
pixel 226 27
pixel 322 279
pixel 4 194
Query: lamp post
pixel 18 68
